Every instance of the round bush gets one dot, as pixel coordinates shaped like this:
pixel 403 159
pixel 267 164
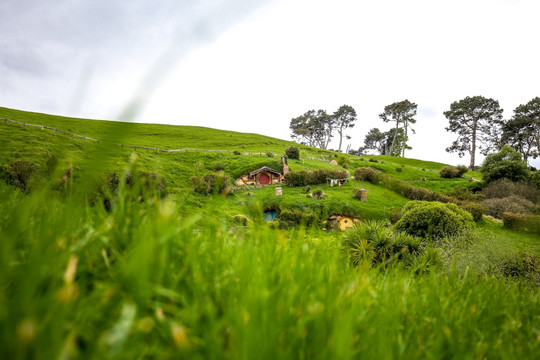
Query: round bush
pixel 292 152
pixel 366 173
pixel 433 220
pixel 449 172
pixel 475 209
pixel 506 164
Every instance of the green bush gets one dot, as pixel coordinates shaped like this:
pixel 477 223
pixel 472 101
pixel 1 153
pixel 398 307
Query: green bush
pixel 241 220
pixel 296 178
pixel 433 220
pixel 318 194
pixel 211 183
pixel 219 166
pixel 366 173
pixel 292 152
pixel 504 188
pixel 19 173
pixel 375 243
pixel 522 265
pixel 314 177
pixel 522 222
pixel 297 217
pixel 398 169
pixel 475 209
pixel 534 179
pixel 395 214
pixel 448 172
pixel 506 164
pixel 514 203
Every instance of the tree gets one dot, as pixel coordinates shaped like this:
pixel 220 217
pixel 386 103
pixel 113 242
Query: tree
pixel 381 142
pixel 506 164
pixel 523 131
pixel 402 113
pixel 344 118
pixel 314 128
pixel 476 120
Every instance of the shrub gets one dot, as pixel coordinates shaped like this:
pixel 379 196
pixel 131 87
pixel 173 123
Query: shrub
pixel 465 194
pixel 219 166
pixel 241 220
pixel 292 152
pixel 19 173
pixel 506 164
pixel 433 220
pixel 504 188
pixel 373 160
pixel 366 173
pixel 399 169
pixel 522 222
pixel 318 194
pixel 448 172
pixel 211 183
pixel 534 179
pixel 374 242
pixel 514 203
pixel 297 217
pixel 314 177
pixel 236 152
pixel 522 265
pixel 395 214
pixel 462 170
pixel 343 161
pixel 475 209
pixel 295 178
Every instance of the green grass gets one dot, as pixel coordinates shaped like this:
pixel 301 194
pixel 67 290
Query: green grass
pixel 139 282
pixel 171 278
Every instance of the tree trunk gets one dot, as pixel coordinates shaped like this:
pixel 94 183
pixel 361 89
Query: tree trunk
pixel 404 140
pixel 473 145
pixel 394 140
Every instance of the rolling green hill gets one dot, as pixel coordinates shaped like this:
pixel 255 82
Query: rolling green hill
pixel 88 272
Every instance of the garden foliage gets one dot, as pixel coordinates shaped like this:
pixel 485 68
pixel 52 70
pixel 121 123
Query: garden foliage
pixel 433 220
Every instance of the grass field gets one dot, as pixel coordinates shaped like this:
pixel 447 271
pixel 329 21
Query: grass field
pixel 145 277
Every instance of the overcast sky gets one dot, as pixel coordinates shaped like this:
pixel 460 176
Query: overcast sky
pixel 252 65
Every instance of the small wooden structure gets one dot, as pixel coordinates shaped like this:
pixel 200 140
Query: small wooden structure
pixel 262 176
pixel 342 222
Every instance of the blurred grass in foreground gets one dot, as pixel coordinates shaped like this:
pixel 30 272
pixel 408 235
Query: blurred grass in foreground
pixel 138 282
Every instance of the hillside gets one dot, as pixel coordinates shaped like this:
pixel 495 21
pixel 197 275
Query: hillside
pixel 252 152
pixel 96 262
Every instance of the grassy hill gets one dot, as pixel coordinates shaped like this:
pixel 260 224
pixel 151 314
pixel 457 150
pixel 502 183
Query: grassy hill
pixel 141 276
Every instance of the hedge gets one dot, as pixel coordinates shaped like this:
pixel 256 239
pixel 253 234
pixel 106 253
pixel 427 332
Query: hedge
pixel 314 177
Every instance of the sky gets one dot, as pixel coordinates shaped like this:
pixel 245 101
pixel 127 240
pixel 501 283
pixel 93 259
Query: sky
pixel 253 65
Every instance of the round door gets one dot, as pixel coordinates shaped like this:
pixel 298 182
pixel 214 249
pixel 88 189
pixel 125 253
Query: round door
pixel 264 179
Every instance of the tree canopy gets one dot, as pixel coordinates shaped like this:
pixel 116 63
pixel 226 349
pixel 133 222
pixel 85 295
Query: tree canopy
pixel 477 121
pixel 522 131
pixel 381 141
pixel 402 113
pixel 314 128
pixel 344 118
